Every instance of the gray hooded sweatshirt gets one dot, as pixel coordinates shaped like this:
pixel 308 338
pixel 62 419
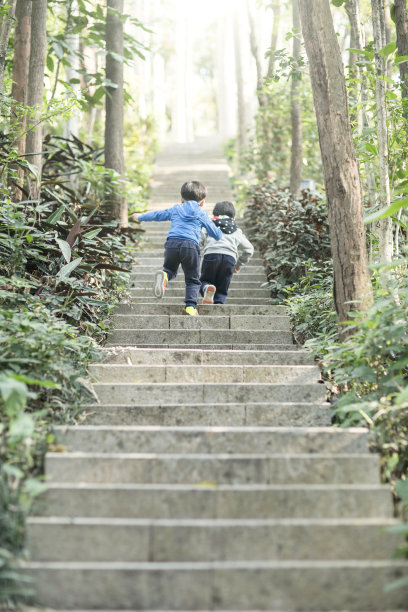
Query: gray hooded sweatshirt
pixel 234 243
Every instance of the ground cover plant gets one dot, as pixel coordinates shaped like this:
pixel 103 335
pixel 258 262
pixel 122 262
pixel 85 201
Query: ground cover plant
pixel 289 232
pixel 63 265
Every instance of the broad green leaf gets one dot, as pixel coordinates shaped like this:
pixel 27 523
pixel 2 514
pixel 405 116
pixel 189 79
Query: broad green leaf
pixel 68 268
pixel 338 3
pixel 368 54
pixel 388 49
pixel 50 63
pixel 65 249
pixel 401 487
pixel 92 233
pixel 22 427
pixel 386 212
pixel 34 487
pixel 14 394
pixel 401 58
pixel 56 215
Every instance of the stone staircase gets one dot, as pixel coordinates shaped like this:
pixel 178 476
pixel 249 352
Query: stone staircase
pixel 207 476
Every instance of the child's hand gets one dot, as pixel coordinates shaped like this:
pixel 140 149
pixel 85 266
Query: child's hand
pixel 236 270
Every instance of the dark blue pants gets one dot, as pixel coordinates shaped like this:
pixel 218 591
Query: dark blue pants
pixel 187 254
pixel 217 269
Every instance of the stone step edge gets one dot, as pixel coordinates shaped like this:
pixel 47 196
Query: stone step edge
pixel 220 405
pixel 203 565
pixel 217 522
pixel 296 431
pixel 203 456
pixel 238 487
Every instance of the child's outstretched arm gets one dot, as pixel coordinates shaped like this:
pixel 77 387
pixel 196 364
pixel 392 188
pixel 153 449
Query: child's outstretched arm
pixel 246 250
pixel 156 215
pixel 211 228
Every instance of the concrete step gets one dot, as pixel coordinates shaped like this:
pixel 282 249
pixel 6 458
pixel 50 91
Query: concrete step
pixel 154 393
pixel 102 539
pixel 219 469
pixel 151 439
pixel 247 301
pixel 211 501
pixel 198 336
pixel 123 373
pixel 155 256
pixel 252 585
pixel 248 272
pixel 144 279
pixel 164 307
pixel 178 291
pixel 219 321
pixel 141 356
pixel 256 415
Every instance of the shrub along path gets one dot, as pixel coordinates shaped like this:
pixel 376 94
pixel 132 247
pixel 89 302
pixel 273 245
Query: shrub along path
pixel 208 476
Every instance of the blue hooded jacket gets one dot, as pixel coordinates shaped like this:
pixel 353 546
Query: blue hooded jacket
pixel 187 219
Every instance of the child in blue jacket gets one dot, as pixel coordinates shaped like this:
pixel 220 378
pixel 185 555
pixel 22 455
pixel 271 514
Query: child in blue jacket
pixel 181 246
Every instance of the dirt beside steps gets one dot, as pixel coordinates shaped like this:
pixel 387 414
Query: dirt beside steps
pixel 208 477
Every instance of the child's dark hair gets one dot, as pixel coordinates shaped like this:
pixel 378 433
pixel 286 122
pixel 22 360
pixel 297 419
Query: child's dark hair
pixel 224 208
pixel 193 190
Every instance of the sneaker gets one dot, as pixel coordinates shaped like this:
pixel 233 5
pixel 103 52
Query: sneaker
pixel 208 297
pixel 160 283
pixel 190 310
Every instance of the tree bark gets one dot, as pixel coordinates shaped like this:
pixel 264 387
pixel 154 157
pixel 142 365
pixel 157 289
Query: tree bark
pixel 343 189
pixel 38 49
pixel 296 111
pixel 21 60
pixel 274 39
pixel 401 25
pixel 242 118
pixel 356 40
pixel 114 157
pixel 5 28
pixel 256 54
pixel 384 226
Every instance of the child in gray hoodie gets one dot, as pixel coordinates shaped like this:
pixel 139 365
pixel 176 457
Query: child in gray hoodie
pixel 222 257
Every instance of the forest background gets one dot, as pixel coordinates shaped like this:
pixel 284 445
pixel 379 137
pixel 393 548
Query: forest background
pixel 87 92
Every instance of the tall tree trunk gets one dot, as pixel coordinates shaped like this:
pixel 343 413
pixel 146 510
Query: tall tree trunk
pixel 21 60
pixel 296 111
pixel 72 40
pixel 352 287
pixel 401 25
pixel 6 22
pixel 242 124
pixel 274 39
pixel 357 42
pixel 384 226
pixel 256 54
pixel 114 157
pixel 38 49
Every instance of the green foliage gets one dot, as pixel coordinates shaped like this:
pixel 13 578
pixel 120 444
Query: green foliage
pixel 310 303
pixel 289 232
pixel 368 375
pixel 268 155
pixel 63 265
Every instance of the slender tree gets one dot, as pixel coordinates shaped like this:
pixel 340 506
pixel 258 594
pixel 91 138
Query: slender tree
pixel 276 7
pixel 38 48
pixel 401 25
pixel 384 226
pixel 242 114
pixel 296 109
pixel 114 157
pixel 352 287
pixel 8 10
pixel 21 60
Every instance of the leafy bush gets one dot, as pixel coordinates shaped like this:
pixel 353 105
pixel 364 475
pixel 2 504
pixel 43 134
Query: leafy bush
pixel 63 266
pixel 289 232
pixel 310 303
pixel 368 375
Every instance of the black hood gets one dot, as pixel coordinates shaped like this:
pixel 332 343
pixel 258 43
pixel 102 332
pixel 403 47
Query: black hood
pixel 226 224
